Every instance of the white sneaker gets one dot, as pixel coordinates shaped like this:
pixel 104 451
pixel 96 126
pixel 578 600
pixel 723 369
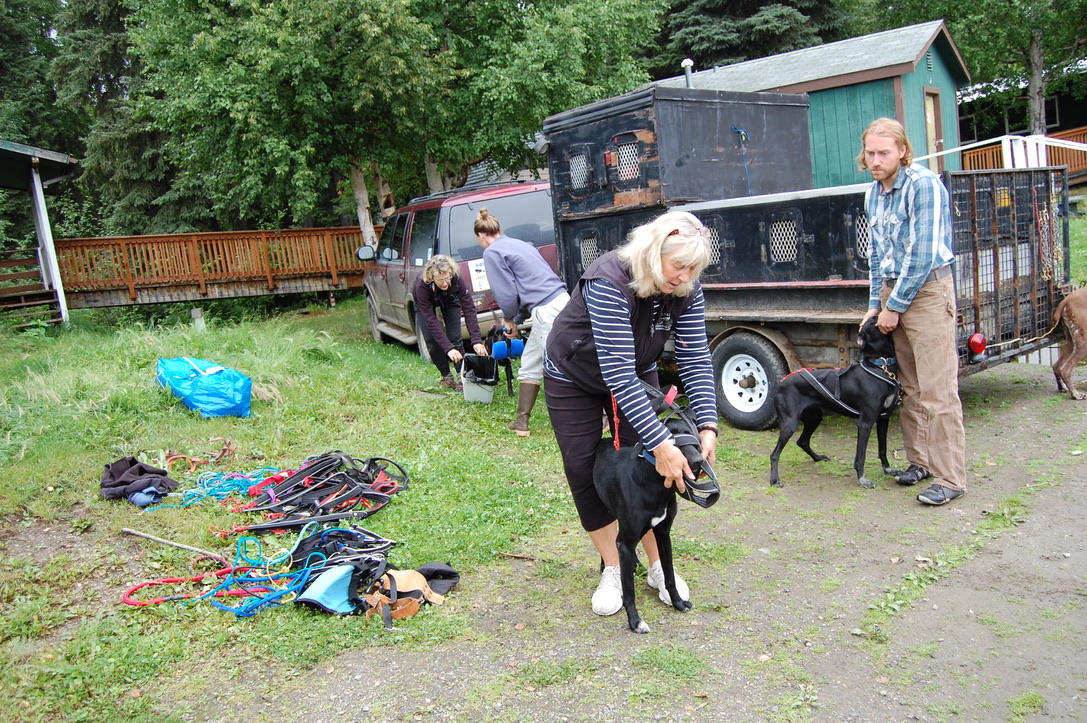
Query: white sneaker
pixel 655 578
pixel 608 598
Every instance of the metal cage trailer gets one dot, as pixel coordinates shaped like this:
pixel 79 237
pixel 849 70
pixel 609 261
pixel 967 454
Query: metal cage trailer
pixel 788 280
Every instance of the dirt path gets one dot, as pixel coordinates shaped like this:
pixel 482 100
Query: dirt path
pixel 782 582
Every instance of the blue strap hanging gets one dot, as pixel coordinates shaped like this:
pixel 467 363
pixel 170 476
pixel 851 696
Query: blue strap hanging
pixel 743 155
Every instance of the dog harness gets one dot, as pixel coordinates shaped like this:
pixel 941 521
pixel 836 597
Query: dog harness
pixel 703 490
pixel 880 368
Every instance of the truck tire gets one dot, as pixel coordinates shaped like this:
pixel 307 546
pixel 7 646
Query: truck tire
pixel 371 308
pixel 748 368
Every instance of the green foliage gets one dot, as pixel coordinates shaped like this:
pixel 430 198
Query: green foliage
pixel 267 103
pixel 28 110
pixel 1042 44
pixel 712 32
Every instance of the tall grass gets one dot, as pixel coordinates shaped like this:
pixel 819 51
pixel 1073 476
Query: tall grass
pixel 76 400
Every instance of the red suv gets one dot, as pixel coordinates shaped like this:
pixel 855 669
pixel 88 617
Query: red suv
pixel 442 224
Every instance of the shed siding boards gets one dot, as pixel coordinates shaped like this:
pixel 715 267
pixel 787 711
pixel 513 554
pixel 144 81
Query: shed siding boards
pixel 913 89
pixel 835 138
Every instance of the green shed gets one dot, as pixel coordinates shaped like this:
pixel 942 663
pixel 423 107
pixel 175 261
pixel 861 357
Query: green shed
pixel 911 74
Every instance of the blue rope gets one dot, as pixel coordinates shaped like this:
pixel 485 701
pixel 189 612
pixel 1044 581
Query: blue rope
pixel 219 485
pixel 743 155
pixel 241 555
pixel 261 576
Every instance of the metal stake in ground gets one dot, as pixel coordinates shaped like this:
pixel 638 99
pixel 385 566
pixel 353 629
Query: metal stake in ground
pixel 168 542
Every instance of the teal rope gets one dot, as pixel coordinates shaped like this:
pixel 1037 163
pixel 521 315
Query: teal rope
pixel 219 485
pixel 260 575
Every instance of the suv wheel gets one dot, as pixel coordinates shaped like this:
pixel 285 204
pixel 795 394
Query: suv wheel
pixel 420 345
pixel 375 330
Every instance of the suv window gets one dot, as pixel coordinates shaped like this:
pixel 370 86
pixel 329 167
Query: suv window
pixel 526 216
pixel 391 246
pixel 424 231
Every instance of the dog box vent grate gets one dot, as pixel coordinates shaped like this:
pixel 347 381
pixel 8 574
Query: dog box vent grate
pixel 590 251
pixel 860 229
pixel 579 171
pixel 783 241
pixel 715 246
pixel 629 168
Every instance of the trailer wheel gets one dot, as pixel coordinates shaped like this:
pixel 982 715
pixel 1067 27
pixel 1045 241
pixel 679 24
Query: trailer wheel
pixel 748 368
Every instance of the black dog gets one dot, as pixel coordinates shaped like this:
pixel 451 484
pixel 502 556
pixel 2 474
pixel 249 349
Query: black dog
pixel 867 390
pixel 627 481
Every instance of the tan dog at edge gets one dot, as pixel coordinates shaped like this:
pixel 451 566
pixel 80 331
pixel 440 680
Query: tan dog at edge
pixel 1072 313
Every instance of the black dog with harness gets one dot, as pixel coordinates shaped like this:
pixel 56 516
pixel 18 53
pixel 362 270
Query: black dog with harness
pixel 867 390
pixel 627 481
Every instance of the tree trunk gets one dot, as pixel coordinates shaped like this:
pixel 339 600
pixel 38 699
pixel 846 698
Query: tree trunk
pixel 385 200
pixel 362 203
pixel 441 179
pixel 1037 85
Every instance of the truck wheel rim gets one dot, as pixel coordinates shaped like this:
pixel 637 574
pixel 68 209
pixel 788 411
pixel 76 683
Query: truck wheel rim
pixel 745 383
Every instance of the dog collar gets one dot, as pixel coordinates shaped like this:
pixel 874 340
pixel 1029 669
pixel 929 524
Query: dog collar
pixel 883 361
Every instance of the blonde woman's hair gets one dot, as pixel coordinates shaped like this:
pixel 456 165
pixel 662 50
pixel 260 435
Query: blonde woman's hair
pixel 647 244
pixel 888 128
pixel 439 264
pixel 486 223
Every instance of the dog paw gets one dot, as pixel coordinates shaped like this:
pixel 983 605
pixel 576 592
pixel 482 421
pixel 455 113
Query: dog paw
pixel 866 483
pixel 684 606
pixel 641 627
pixel 821 458
pixel 776 483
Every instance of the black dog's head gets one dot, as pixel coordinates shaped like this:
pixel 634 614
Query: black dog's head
pixel 703 490
pixel 874 343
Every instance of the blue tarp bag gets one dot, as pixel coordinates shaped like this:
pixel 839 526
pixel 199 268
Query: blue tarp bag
pixel 211 389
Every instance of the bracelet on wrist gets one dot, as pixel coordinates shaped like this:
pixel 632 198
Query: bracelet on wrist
pixel 705 427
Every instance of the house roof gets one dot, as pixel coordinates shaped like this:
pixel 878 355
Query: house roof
pixel 16 161
pixel 869 57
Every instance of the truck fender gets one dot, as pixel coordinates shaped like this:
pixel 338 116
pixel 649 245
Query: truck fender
pixel 775 337
pixel 748 364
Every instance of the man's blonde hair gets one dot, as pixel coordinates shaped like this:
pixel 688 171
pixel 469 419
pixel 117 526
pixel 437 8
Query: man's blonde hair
pixel 888 128
pixel 647 244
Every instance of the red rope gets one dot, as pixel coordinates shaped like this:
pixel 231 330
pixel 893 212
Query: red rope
pixel 127 598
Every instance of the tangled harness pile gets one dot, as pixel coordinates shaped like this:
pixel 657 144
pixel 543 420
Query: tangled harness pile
pixel 330 568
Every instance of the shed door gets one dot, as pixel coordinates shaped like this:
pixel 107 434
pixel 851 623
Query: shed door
pixel 934 128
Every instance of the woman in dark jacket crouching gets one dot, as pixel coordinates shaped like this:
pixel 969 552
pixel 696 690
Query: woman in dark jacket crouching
pixel 441 298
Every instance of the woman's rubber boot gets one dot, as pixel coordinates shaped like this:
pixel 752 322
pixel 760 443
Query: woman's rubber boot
pixel 526 399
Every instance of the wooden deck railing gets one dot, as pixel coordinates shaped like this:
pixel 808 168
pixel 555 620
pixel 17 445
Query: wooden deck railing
pixel 203 260
pixel 989 157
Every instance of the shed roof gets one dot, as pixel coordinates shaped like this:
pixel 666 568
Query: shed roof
pixel 869 57
pixel 17 159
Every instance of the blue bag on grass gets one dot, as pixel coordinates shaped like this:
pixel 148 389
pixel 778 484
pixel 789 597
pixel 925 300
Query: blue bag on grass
pixel 211 389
